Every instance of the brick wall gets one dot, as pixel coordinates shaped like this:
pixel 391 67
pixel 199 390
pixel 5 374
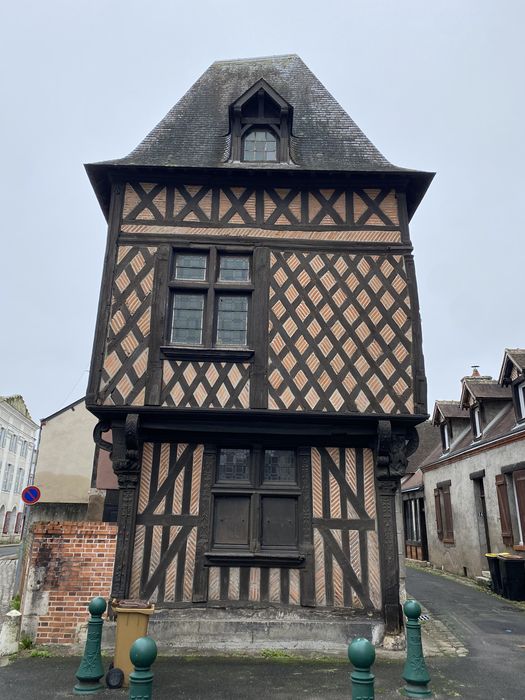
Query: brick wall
pixel 68 563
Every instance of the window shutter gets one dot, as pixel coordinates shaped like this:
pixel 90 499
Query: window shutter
pixel 439 520
pixel 504 512
pixel 449 525
pixel 519 483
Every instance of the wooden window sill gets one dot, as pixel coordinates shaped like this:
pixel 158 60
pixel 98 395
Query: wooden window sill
pixel 169 352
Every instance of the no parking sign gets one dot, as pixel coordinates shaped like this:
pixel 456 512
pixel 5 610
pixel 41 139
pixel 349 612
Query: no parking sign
pixel 31 495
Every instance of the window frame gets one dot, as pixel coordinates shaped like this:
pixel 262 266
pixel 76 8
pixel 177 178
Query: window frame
pixel 519 399
pixel 13 442
pixel 252 128
pixel 255 553
pixel 444 515
pixel 475 418
pixel 446 435
pixel 7 479
pixel 211 288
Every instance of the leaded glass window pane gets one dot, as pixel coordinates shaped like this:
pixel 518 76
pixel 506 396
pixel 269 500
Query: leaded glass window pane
pixel 234 268
pixel 190 266
pixel 279 465
pixel 260 145
pixel 232 320
pixel 188 311
pixel 234 465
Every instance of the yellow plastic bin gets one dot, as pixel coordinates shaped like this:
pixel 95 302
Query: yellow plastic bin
pixel 132 622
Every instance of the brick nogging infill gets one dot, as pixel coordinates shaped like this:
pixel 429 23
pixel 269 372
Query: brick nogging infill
pixel 69 563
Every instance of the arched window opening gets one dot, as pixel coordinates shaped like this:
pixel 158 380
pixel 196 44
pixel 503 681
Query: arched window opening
pixel 259 145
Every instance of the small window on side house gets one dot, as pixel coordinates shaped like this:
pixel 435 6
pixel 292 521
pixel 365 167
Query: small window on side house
pixel 443 506
pixel 520 390
pixel 445 437
pixel 476 422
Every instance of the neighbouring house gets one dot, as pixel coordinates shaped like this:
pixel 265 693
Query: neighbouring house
pixel 258 362
pixel 474 481
pixel 74 475
pixel 17 450
pixel 413 493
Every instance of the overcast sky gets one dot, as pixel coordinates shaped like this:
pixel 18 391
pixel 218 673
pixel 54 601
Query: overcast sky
pixel 435 85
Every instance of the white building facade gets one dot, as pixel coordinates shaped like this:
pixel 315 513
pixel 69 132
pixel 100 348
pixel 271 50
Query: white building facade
pixel 17 454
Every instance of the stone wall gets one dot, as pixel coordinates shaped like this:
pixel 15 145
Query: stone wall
pixel 7 581
pixel 67 564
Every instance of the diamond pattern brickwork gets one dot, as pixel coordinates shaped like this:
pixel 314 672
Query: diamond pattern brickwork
pixel 206 384
pixel 123 379
pixel 340 333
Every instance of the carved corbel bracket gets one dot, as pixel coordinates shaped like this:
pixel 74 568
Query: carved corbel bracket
pixel 100 428
pixel 393 450
pixel 384 442
pixel 127 467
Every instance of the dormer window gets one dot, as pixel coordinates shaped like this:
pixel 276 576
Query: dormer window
pixel 445 436
pixel 260 126
pixel 259 145
pixel 520 401
pixel 476 422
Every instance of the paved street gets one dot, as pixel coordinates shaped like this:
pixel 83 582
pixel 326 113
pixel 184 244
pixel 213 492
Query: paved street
pixel 490 628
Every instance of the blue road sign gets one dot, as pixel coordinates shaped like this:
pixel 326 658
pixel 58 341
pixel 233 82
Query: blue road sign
pixel 31 494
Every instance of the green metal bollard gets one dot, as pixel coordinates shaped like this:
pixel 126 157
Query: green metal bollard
pixel 415 672
pixel 143 653
pixel 91 670
pixel 362 655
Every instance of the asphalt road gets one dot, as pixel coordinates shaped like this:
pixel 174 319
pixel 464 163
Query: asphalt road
pixel 8 550
pixel 491 629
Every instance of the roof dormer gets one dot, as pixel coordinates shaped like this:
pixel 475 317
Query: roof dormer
pixel 451 419
pixel 482 397
pixel 260 126
pixel 513 375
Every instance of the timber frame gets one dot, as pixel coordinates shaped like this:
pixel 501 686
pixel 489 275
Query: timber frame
pixel 332 368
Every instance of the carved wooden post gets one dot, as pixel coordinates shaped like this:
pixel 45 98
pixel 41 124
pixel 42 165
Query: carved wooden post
pixel 126 465
pixel 391 461
pixel 386 517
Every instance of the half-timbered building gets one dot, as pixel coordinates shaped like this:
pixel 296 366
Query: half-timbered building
pixel 258 351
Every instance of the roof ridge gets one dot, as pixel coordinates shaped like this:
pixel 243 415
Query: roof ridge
pixel 258 58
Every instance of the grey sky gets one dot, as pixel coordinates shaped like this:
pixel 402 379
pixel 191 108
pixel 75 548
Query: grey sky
pixel 436 86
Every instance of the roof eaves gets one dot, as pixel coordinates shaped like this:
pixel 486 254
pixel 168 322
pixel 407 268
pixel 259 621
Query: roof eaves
pixel 63 410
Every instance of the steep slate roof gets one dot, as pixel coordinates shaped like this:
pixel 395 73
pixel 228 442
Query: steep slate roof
pixel 449 409
pixel 195 132
pixel 484 389
pixel 413 483
pixel 428 438
pixel 504 423
pixel 513 357
pixel 517 356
